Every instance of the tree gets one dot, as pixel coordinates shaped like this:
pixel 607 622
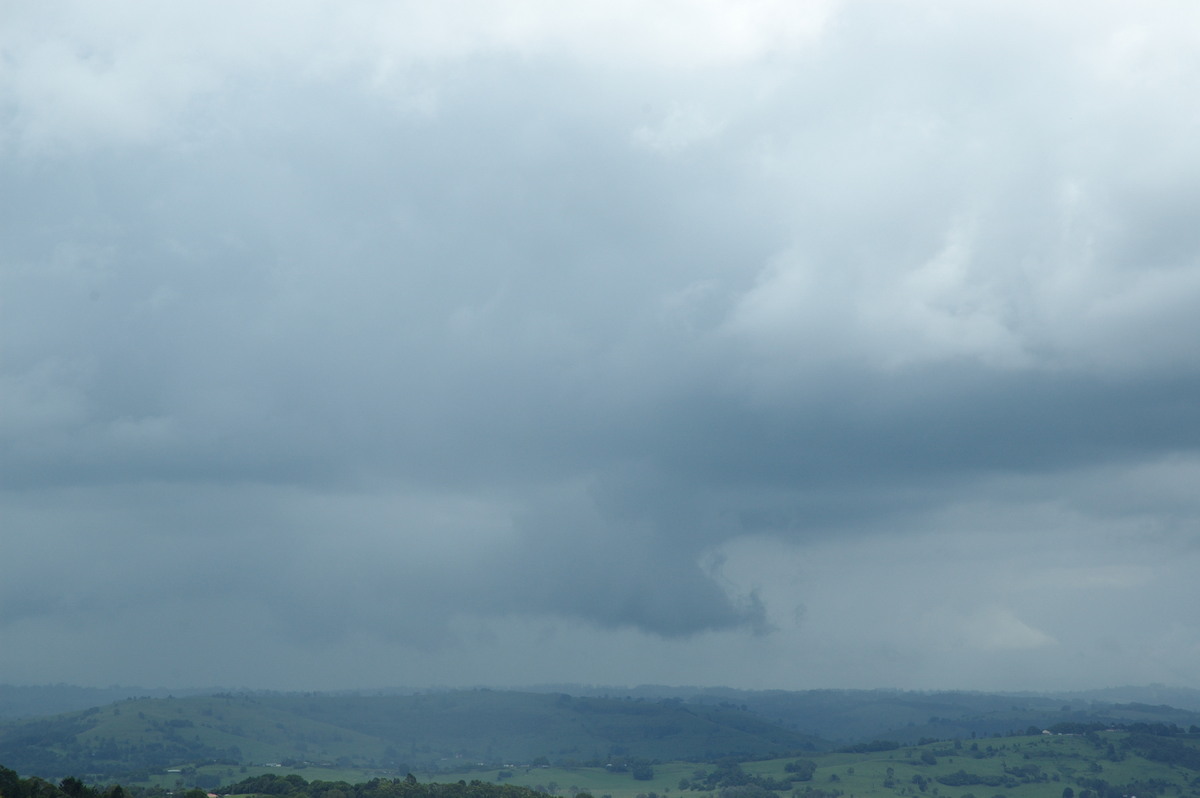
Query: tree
pixel 75 788
pixel 10 783
pixel 801 769
pixel 642 771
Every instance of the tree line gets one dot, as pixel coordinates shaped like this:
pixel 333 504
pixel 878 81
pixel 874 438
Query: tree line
pixel 290 786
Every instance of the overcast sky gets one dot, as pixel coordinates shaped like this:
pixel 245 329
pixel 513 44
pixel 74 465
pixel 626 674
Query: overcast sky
pixel 763 344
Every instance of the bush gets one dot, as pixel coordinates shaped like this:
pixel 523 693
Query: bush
pixel 642 771
pixel 801 769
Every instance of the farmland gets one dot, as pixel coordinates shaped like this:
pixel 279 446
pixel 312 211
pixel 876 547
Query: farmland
pixel 557 744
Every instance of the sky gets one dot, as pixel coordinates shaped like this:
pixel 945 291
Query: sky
pixel 764 344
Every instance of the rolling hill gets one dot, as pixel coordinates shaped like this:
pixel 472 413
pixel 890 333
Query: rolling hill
pixel 393 733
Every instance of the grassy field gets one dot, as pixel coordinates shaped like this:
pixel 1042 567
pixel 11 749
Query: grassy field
pixel 1034 767
pixel 1024 767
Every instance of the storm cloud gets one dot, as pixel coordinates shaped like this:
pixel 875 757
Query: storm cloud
pixel 761 344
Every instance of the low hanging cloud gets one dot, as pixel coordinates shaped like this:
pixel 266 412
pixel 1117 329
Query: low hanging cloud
pixel 367 323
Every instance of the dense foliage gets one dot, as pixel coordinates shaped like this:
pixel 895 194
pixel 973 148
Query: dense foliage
pixel 13 786
pixel 293 786
pixel 290 786
pixel 729 777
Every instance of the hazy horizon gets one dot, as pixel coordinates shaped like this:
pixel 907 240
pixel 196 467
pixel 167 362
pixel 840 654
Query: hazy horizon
pixel 1126 693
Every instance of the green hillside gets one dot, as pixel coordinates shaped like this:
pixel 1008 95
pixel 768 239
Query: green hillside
pixel 387 733
pixel 1106 764
pixel 1149 761
pixel 845 716
pixel 206 741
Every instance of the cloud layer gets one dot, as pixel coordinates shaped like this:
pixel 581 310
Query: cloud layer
pixel 766 344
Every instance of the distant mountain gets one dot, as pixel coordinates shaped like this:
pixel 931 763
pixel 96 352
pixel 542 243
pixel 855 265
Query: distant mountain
pixel 33 701
pixel 849 716
pixel 1155 695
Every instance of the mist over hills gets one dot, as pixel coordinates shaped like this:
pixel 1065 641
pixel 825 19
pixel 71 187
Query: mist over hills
pixel 393 731
pixel 18 701
pixel 844 716
pixel 24 701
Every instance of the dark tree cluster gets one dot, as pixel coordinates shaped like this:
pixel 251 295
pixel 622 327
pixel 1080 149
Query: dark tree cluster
pixel 13 786
pixel 962 778
pixel 872 747
pixel 290 786
pixel 294 786
pixel 801 769
pixel 729 774
pixel 1099 788
pixel 1162 748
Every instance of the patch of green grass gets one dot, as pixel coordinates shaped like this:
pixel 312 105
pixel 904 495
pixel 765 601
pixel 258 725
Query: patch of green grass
pixel 1021 767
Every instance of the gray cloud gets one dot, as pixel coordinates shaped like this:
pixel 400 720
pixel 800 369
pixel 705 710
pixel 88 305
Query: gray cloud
pixel 431 338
